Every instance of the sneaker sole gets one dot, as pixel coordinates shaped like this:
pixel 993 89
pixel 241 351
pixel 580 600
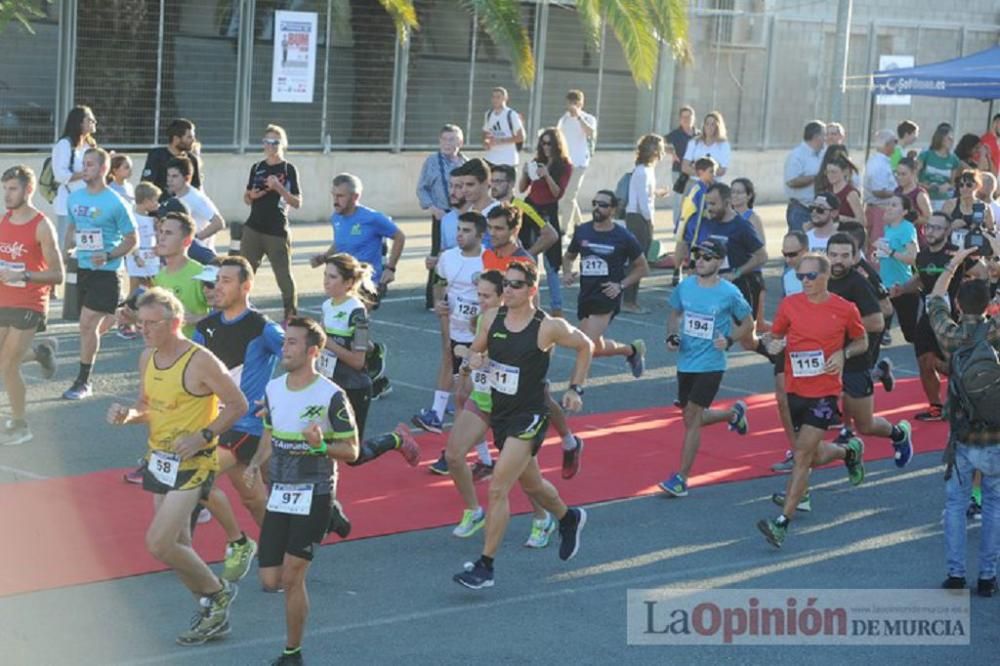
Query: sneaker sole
pixel 670 492
pixel 438 471
pixel 475 529
pixel 579 460
pixel 484 584
pixel 246 570
pixel 781 468
pixel 548 539
pixel 423 426
pixel 579 530
pixel 803 507
pixel 762 526
pixel 223 631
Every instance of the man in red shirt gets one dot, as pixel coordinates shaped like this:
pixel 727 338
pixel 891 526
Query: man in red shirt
pixel 811 328
pixel 29 264
pixel 992 141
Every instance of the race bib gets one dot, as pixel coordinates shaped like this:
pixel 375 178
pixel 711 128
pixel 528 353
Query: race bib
pixel 293 498
pixel 807 363
pixel 504 378
pixel 698 325
pixel 16 268
pixel 466 309
pixel 164 466
pixel 326 364
pixel 91 240
pixel 593 266
pixel 481 380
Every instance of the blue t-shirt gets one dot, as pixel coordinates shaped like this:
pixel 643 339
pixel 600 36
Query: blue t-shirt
pixel 739 235
pixel 100 219
pixel 603 257
pixel 892 270
pixel 360 235
pixel 706 313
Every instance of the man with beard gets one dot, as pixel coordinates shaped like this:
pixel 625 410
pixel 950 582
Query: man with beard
pixel 822 221
pixel 542 234
pixel 180 141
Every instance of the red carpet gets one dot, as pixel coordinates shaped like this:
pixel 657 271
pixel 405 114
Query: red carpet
pixel 90 528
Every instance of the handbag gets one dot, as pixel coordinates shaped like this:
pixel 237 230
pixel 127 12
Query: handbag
pixel 680 185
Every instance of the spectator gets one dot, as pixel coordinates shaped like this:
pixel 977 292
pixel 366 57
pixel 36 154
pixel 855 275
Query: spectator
pixel 433 191
pixel 642 194
pixel 208 220
pixel 743 196
pixel 937 166
pixel 988 194
pixel 121 171
pixel 961 211
pixel 835 135
pixel 838 176
pixel 880 182
pixel 545 179
pixel 907 132
pixel 180 143
pixel 833 154
pixel 973 154
pixel 272 187
pixel 580 130
pixel 992 142
pixel 712 142
pixel 67 161
pixel 906 176
pixel 801 167
pixel 503 131
pixel 678 140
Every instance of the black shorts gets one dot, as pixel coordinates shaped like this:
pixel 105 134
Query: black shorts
pixel 187 479
pixel 456 362
pixel 22 319
pixel 598 306
pixel 816 412
pixel 751 286
pixel 241 444
pixel 283 533
pixel 528 427
pixel 99 291
pixel 924 340
pixel 858 383
pixel 698 387
pixel 907 307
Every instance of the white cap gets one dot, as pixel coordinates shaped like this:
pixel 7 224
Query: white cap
pixel 208 274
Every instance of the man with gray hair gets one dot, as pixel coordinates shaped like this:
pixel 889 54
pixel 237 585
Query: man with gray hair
pixel 801 167
pixel 880 182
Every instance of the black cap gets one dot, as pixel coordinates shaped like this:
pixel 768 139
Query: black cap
pixel 713 244
pixel 172 205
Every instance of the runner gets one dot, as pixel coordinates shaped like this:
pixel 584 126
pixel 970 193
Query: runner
pixel 604 249
pixel 249 345
pixel 309 426
pixel 811 328
pixel 700 328
pixel 30 262
pixel 519 339
pixel 180 391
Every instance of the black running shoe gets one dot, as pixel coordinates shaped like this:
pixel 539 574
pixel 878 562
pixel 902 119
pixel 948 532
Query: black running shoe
pixel 885 374
pixel 289 660
pixel 570 528
pixel 987 587
pixel 339 523
pixel 954 583
pixel 475 576
pixel 375 360
pixel 381 388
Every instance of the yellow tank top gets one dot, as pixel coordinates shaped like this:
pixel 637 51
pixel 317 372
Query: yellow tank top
pixel 174 412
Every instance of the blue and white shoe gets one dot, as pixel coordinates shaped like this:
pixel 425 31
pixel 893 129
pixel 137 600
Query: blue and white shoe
pixel 904 449
pixel 637 361
pixel 675 485
pixel 427 420
pixel 739 423
pixel 78 391
pixel 439 466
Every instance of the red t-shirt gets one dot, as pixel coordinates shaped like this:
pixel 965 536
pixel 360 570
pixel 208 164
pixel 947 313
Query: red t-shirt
pixel 539 192
pixel 20 251
pixel 494 262
pixel 990 141
pixel 820 330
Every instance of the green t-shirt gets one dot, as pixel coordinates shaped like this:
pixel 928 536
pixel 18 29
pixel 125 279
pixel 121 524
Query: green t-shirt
pixel 937 171
pixel 185 288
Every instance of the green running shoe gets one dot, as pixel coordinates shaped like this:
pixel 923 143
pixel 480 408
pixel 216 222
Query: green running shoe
pixel 212 619
pixel 773 532
pixel 238 560
pixel 805 504
pixel 541 531
pixel 855 461
pixel 472 522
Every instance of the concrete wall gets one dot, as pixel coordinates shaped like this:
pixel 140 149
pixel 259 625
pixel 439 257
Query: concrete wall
pixel 390 179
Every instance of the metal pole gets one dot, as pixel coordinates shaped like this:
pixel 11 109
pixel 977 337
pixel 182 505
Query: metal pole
pixel 402 64
pixel 324 133
pixel 766 111
pixel 841 49
pixel 538 86
pixel 871 119
pixel 472 75
pixel 600 76
pixel 870 67
pixel 962 34
pixel 66 89
pixel 159 75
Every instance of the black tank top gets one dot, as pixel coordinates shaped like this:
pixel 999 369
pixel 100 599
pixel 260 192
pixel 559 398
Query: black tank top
pixel 957 215
pixel 517 367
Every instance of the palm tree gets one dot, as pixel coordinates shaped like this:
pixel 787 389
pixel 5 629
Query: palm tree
pixel 22 12
pixel 638 25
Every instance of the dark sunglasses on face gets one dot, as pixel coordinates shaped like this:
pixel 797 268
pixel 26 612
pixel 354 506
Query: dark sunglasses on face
pixel 600 204
pixel 207 285
pixel 811 276
pixel 516 284
pixel 791 255
pixel 966 183
pixel 819 209
pixel 707 256
pixel 272 142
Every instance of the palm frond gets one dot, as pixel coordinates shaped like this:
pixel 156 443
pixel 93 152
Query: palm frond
pixel 22 12
pixel 501 19
pixel 589 13
pixel 629 21
pixel 403 14
pixel 669 19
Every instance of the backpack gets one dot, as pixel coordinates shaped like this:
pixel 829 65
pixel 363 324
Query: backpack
pixel 510 125
pixel 48 186
pixel 974 381
pixel 621 193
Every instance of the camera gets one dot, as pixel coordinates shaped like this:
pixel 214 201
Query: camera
pixel 977 239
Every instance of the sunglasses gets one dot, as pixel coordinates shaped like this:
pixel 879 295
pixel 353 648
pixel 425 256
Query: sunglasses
pixel 272 142
pixel 516 284
pixel 600 204
pixel 207 285
pixel 791 255
pixel 811 276
pixel 819 209
pixel 707 256
pixel 967 183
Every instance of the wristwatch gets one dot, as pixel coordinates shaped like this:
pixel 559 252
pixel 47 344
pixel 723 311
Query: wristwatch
pixel 576 388
pixel 207 434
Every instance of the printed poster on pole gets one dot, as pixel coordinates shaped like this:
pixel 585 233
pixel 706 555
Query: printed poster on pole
pixel 889 62
pixel 294 68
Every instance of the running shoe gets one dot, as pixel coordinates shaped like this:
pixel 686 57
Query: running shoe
pixel 45 354
pixel 481 471
pixel 541 532
pixel 289 659
pixel 786 465
pixel 739 422
pixel 472 522
pixel 954 583
pixel 381 388
pixel 855 461
pixel 339 523
pixel 773 532
pixel 986 587
pixel 886 338
pixel 407 445
pixel 375 360
pixel 805 504
pixel 135 476
pixel 637 361
pixel 212 619
pixel 475 576
pixel 78 391
pixel 238 560
pixel 127 333
pixel 570 528
pixel 675 485
pixel 843 437
pixel 439 466
pixel 571 460
pixel 885 374
pixel 933 413
pixel 14 435
pixel 904 449
pixel 427 419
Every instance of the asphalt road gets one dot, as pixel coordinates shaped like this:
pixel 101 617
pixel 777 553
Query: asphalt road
pixel 391 599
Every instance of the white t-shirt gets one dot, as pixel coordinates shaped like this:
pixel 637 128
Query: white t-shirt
pixel 642 191
pixel 146 228
pixel 202 210
pixel 576 139
pixel 62 155
pixel 461 272
pixel 718 151
pixel 817 243
pixel 504 124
